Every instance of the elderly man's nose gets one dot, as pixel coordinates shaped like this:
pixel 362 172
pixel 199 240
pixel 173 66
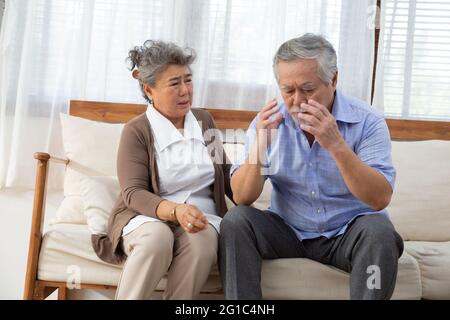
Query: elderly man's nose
pixel 299 99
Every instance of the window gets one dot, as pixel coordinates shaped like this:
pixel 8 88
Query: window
pixel 413 76
pixel 2 9
pixel 76 49
pixel 244 35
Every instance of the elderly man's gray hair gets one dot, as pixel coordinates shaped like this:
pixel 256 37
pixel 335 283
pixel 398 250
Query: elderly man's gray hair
pixel 309 46
pixel 153 57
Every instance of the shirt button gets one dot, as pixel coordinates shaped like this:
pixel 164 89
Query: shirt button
pixel 318 210
pixel 313 193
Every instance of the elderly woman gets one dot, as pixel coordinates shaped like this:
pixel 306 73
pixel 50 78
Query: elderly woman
pixel 166 220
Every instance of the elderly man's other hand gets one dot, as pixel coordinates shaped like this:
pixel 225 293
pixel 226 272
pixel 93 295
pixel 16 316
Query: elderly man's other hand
pixel 318 121
pixel 268 122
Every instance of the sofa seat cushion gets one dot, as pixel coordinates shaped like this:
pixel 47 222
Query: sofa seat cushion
pixel 305 279
pixel 434 264
pixel 67 255
pixel 66 250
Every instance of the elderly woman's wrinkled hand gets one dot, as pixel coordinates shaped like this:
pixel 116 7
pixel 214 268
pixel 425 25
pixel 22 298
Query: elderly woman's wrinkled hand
pixel 190 218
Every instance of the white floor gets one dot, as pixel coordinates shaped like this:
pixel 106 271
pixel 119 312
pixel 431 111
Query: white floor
pixel 15 212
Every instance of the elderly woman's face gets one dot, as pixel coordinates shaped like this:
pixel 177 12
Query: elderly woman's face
pixel 172 94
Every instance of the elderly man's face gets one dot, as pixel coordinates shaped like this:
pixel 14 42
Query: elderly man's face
pixel 299 81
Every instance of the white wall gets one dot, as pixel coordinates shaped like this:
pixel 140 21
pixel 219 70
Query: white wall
pixel 15 213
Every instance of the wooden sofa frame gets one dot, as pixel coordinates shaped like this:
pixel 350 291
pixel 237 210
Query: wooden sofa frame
pixel 410 130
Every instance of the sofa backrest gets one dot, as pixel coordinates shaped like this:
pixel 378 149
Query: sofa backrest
pixel 420 205
pixel 401 130
pixel 420 208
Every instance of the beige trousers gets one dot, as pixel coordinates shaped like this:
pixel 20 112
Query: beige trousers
pixel 155 249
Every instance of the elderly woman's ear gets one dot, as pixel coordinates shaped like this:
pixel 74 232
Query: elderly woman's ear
pixel 147 90
pixel 135 74
pixel 145 87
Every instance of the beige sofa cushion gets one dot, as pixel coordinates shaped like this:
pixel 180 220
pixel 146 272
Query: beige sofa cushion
pixel 91 147
pixel 306 279
pixel 420 207
pixel 234 153
pixel 70 211
pixel 67 255
pixel 99 195
pixel 434 264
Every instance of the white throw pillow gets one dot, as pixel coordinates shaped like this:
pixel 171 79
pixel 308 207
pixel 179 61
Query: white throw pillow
pixel 234 153
pixel 263 202
pixel 70 211
pixel 91 147
pixel 99 196
pixel 420 207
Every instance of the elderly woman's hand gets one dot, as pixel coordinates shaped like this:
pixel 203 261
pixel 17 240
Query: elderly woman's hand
pixel 191 219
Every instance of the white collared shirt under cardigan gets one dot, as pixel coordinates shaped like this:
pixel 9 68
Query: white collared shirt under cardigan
pixel 185 169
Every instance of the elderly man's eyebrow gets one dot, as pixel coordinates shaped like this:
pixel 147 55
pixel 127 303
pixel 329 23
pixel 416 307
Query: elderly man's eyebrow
pixel 305 84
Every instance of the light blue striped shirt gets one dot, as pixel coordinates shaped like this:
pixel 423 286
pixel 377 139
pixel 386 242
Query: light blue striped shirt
pixel 309 192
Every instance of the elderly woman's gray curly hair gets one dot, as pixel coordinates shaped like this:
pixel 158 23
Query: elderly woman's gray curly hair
pixel 153 57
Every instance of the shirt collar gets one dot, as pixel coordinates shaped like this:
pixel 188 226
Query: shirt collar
pixel 165 132
pixel 192 128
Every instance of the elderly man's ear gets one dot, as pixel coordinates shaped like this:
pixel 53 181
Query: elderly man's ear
pixel 334 82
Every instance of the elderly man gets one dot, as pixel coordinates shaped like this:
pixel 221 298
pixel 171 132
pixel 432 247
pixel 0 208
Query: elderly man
pixel 328 159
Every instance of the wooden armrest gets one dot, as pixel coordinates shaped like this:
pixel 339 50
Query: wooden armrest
pixel 43 156
pixel 37 221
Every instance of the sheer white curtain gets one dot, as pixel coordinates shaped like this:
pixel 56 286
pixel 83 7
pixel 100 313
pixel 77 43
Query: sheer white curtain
pixel 52 51
pixel 2 8
pixel 412 79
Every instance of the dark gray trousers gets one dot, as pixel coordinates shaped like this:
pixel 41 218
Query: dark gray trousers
pixel 369 250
